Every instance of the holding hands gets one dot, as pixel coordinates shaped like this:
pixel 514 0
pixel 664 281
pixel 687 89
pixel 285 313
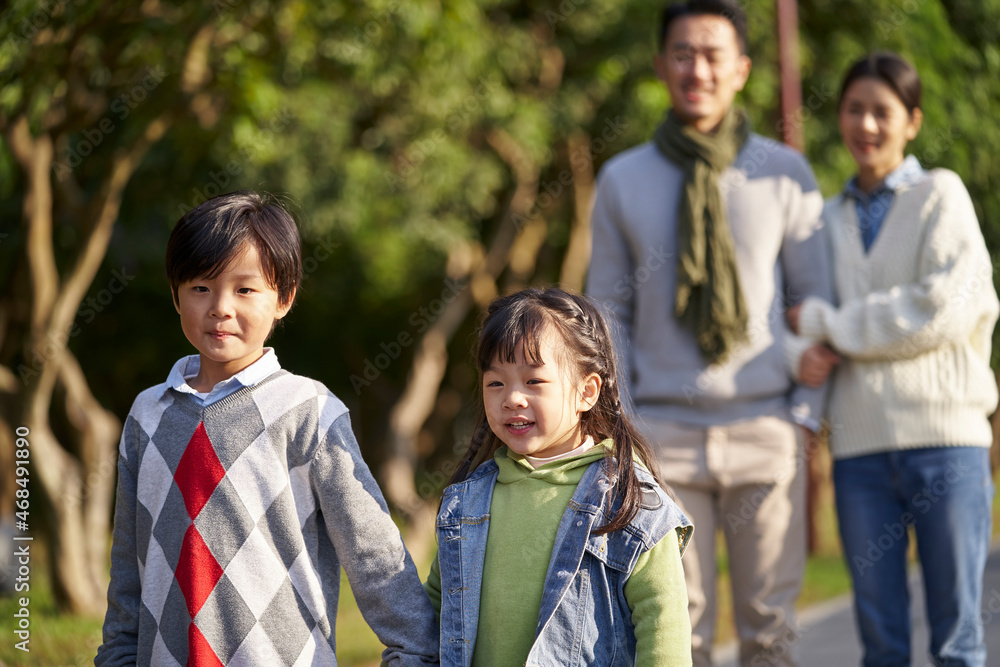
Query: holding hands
pixel 818 361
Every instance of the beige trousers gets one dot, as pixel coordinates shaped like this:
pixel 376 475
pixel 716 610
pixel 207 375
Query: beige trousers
pixel 749 480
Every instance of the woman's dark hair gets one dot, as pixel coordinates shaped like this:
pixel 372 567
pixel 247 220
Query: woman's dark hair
pixel 727 9
pixel 209 236
pixel 891 69
pixel 518 322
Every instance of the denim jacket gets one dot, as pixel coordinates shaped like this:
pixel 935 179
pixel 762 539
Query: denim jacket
pixel 584 617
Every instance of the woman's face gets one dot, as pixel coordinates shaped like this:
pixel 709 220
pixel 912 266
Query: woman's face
pixel 876 127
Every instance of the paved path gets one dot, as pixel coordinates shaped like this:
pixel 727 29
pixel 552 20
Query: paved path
pixel 830 638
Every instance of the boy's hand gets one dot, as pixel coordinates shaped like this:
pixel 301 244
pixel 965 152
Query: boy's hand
pixel 816 364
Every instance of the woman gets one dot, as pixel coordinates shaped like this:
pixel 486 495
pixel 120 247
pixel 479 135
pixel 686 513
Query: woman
pixel 910 436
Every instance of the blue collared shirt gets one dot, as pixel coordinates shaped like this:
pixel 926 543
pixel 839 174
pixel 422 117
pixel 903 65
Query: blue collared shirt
pixel 872 207
pixel 187 368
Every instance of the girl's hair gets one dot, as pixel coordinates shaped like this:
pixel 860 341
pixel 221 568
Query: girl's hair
pixel 891 69
pixel 521 319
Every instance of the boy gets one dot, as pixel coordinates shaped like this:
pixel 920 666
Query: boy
pixel 241 489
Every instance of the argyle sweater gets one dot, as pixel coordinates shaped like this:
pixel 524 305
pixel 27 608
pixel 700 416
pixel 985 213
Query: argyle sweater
pixel 232 522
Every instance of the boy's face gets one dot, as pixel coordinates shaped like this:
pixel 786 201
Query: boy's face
pixel 228 318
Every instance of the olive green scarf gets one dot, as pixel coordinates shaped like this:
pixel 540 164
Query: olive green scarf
pixel 709 299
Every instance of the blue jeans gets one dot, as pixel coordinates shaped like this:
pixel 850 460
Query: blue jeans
pixel 945 494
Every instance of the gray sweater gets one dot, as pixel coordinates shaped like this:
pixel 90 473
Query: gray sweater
pixel 231 525
pixel 774 210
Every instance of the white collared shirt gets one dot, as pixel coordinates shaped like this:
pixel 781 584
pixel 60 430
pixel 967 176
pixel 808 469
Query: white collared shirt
pixel 187 368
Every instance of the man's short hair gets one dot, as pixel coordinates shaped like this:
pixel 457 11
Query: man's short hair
pixel 209 236
pixel 728 9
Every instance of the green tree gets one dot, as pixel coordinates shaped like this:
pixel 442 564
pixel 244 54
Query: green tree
pixel 87 89
pixel 436 154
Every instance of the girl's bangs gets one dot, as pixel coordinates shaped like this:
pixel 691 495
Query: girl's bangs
pixel 504 333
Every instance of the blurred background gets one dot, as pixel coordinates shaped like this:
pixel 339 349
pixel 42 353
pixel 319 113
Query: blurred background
pixel 436 153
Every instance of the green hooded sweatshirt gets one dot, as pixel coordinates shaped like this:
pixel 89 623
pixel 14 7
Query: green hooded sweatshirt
pixel 525 512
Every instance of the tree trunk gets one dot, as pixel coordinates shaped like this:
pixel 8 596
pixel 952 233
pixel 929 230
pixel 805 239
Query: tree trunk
pixel 73 484
pixel 574 268
pixel 430 361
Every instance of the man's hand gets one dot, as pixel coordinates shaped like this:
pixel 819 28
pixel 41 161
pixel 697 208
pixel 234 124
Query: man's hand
pixel 816 364
pixel 792 317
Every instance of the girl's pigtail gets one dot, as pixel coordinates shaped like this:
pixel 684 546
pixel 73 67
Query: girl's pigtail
pixel 613 419
pixel 475 454
pixel 629 445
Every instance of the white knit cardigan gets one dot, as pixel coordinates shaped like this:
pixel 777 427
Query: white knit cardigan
pixel 914 324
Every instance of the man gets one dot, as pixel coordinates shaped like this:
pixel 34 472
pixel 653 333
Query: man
pixel 702 237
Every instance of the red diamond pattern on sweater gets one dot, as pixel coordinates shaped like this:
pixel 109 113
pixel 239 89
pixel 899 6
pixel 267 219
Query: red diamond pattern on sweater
pixel 198 474
pixel 197 570
pixel 200 653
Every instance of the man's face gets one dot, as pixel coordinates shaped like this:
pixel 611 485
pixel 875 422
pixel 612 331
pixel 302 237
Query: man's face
pixel 703 67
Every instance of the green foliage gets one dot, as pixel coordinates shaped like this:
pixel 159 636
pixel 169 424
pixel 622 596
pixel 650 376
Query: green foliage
pixel 376 120
pixel 960 72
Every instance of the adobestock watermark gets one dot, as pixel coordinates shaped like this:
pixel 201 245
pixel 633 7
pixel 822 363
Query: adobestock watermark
pixel 991 607
pixel 748 162
pixel 419 320
pixel 757 326
pixel 322 251
pixel 943 138
pixel 565 9
pixel 364 36
pixel 579 158
pixel 898 17
pixel 779 649
pixel 921 502
pixel 22 539
pixel 25 31
pixel 817 97
pixel 225 7
pixel 91 138
pixel 950 311
pixel 408 163
pixel 247 150
pixel 432 483
pixel 655 259
pixel 94 304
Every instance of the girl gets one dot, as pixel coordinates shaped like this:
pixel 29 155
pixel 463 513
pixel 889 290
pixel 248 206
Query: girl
pixel 912 395
pixel 557 545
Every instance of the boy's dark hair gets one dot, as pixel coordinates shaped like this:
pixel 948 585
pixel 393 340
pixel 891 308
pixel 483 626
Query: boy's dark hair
pixel 209 236
pixel 728 9
pixel 521 319
pixel 891 69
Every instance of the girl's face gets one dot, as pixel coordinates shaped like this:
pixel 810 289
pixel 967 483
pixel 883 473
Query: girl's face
pixel 535 409
pixel 876 127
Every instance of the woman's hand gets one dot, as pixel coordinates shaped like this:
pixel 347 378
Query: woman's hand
pixel 792 317
pixel 816 364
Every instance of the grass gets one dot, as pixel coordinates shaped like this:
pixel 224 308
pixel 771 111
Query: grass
pixel 58 640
